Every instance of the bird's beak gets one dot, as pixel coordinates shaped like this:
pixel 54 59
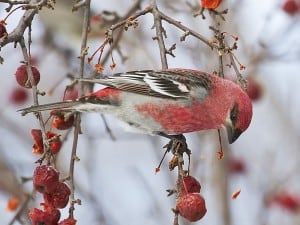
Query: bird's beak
pixel 232 133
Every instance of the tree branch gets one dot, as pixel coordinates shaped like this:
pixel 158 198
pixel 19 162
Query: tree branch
pixel 74 157
pixel 17 34
pixel 186 29
pixel 159 35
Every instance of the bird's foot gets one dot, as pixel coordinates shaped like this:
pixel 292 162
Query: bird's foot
pixel 177 145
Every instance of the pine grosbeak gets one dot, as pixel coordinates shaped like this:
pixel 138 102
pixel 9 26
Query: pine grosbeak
pixel 169 102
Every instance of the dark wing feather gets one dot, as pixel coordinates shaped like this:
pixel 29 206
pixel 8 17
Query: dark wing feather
pixel 171 83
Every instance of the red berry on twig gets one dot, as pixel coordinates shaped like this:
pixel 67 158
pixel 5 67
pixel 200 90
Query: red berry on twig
pixel 50 216
pixel 54 141
pixel 68 221
pixel 191 206
pixel 210 4
pixel 59 197
pixel 3 32
pixel 45 179
pixel 71 93
pixel 62 119
pixel 22 76
pixel 38 146
pixel 190 185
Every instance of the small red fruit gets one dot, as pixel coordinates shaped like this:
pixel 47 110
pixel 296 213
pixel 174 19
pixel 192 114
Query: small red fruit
pixel 50 216
pixel 12 204
pixel 254 89
pixel 54 141
pixel 236 165
pixel 45 179
pixel 38 146
pixel 68 221
pixel 3 31
pixel 190 185
pixel 210 4
pixel 290 7
pixel 22 76
pixel 19 95
pixel 71 93
pixel 285 200
pixel 62 119
pixel 191 207
pixel 59 197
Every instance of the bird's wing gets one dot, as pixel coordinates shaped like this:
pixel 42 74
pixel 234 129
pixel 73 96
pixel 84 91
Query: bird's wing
pixel 171 83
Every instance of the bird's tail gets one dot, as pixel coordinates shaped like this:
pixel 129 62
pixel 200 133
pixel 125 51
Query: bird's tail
pixel 56 105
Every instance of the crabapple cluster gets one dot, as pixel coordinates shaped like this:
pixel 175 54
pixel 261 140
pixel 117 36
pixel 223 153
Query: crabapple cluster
pixel 191 205
pixel 56 196
pixel 53 139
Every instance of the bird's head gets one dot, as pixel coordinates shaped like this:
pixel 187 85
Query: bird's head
pixel 239 116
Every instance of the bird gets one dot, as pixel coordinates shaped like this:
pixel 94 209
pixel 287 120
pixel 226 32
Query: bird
pixel 166 102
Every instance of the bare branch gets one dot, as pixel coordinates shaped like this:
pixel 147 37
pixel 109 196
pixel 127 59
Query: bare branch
pixel 186 29
pixel 159 35
pixel 74 157
pixel 12 3
pixel 17 34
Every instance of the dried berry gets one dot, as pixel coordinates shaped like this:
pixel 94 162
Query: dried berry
pixel 190 185
pixel 71 93
pixel 54 142
pixel 3 31
pixel 291 7
pixel 12 204
pixel 191 206
pixel 254 89
pixel 236 166
pixel 50 216
pixel 22 76
pixel 58 198
pixel 285 200
pixel 19 95
pixel 62 119
pixel 38 146
pixel 210 4
pixel 45 179
pixel 68 221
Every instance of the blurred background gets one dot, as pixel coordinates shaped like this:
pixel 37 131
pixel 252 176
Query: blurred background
pixel 115 177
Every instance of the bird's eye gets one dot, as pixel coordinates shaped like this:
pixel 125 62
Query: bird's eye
pixel 234 113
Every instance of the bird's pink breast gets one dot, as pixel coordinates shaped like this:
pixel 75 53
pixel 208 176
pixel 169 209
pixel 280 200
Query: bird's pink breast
pixel 177 119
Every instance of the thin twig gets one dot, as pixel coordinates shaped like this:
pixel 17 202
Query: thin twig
pixel 186 29
pixel 12 3
pixel 21 209
pixel 74 157
pixel 118 36
pixel 18 33
pixel 241 81
pixel 176 147
pixel 159 35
